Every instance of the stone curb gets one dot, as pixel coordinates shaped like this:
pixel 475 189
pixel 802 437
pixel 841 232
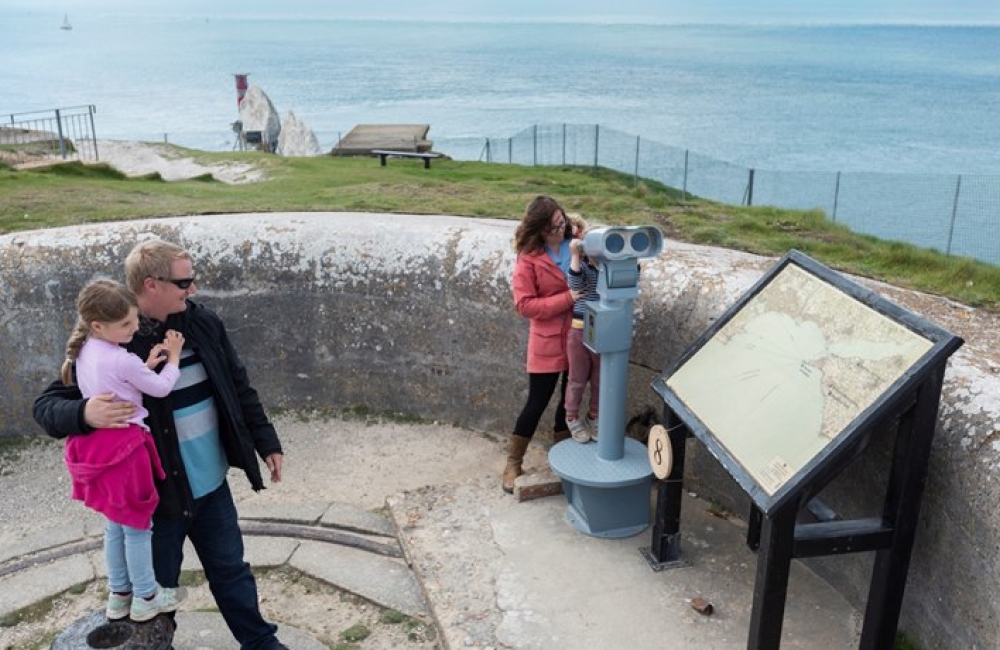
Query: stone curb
pixel 311 538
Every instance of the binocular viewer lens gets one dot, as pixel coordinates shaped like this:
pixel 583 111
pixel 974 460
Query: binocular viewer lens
pixel 623 242
pixel 614 243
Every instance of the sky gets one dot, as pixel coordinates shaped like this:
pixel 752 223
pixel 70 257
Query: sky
pixel 660 11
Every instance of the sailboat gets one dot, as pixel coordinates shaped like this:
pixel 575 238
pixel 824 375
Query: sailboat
pixel 66 24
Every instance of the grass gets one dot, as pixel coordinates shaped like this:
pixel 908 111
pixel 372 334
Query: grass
pixel 75 193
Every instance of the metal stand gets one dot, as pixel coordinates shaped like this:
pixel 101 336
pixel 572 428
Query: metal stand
pixel 778 540
pixel 664 551
pixel 908 397
pixel 607 484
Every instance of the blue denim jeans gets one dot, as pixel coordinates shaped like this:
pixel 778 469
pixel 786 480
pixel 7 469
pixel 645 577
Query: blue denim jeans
pixel 215 534
pixel 129 559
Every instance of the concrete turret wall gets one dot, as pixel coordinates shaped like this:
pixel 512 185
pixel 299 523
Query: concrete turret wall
pixel 413 314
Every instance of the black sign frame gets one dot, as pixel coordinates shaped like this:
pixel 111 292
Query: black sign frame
pixel 817 472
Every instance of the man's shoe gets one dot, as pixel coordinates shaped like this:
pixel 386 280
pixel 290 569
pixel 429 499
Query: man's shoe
pixel 118 606
pixel 165 600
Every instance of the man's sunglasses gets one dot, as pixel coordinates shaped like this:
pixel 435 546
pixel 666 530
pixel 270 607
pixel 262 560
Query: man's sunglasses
pixel 182 283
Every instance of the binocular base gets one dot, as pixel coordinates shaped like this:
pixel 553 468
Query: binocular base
pixel 607 498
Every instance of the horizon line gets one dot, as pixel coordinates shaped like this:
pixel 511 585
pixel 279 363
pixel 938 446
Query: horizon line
pixel 629 20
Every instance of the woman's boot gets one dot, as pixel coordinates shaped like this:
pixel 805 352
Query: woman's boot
pixel 516 447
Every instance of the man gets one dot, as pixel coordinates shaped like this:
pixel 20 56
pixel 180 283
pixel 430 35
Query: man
pixel 212 420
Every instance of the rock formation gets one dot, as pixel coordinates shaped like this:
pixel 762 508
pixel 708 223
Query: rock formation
pixel 261 126
pixel 296 138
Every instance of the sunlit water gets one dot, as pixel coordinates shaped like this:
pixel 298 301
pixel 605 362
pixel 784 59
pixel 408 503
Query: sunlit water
pixel 850 98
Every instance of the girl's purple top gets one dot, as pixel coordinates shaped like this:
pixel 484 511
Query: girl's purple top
pixel 104 367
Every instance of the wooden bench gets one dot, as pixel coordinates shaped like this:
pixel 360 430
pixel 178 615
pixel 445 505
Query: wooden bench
pixel 426 157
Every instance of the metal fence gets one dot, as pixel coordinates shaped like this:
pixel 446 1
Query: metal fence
pixel 954 214
pixel 43 136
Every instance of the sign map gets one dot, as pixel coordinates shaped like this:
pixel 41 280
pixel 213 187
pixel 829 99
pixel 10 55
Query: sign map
pixel 790 371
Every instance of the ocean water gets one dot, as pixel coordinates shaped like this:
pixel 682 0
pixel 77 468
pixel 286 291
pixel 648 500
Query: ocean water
pixel 908 99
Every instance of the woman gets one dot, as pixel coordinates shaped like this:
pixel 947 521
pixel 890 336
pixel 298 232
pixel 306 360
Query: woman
pixel 542 296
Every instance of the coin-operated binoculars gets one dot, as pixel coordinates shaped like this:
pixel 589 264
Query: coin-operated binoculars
pixel 607 484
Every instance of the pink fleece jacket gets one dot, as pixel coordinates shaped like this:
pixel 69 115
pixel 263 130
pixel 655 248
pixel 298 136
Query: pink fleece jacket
pixel 111 473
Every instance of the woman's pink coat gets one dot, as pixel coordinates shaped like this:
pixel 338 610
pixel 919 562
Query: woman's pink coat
pixel 542 296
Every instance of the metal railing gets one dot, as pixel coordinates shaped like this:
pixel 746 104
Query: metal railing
pixel 954 214
pixel 43 136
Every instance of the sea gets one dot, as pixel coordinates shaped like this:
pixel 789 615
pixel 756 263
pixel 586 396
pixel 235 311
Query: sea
pixel 912 99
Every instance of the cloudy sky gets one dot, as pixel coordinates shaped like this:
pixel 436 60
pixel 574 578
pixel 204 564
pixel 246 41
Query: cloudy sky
pixel 668 11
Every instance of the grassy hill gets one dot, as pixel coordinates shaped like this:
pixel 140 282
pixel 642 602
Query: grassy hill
pixel 74 193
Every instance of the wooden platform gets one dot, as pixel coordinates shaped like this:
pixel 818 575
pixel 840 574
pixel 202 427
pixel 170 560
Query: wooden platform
pixel 365 138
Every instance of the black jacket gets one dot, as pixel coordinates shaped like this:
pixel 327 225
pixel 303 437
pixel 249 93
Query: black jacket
pixel 244 428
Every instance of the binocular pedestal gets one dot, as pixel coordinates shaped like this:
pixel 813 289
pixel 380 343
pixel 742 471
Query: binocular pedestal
pixel 607 498
pixel 608 484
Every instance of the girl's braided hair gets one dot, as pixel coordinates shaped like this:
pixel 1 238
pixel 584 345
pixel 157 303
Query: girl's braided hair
pixel 105 301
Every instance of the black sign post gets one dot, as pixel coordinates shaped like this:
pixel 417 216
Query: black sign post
pixel 665 550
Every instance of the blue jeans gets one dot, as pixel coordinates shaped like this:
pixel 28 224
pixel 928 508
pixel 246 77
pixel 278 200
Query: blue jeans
pixel 215 533
pixel 129 559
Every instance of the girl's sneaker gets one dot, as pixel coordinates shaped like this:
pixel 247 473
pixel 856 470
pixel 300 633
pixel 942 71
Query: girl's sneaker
pixel 165 600
pixel 592 427
pixel 578 429
pixel 118 606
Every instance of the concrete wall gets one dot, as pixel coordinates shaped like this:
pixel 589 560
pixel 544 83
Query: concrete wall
pixel 413 314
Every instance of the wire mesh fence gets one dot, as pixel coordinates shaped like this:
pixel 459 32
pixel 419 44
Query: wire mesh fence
pixel 56 134
pixel 954 214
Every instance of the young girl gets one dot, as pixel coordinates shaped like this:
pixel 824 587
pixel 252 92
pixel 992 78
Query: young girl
pixel 112 469
pixel 584 364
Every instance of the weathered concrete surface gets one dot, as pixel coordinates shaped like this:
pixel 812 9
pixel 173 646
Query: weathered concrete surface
pixel 413 314
pixel 202 630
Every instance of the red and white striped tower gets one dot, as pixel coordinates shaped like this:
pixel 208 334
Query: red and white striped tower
pixel 241 87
